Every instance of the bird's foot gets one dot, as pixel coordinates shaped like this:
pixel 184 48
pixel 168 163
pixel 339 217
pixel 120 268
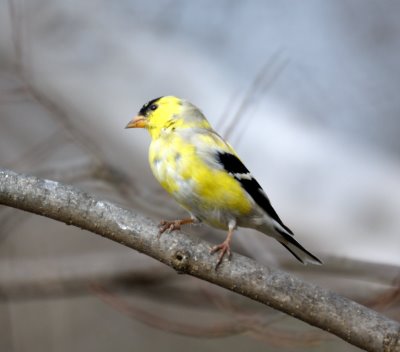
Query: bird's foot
pixel 169 226
pixel 223 248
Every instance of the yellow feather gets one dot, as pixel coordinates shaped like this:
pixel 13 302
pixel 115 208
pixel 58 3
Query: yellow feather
pixel 192 182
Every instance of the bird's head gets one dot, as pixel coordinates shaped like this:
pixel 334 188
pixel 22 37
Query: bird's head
pixel 166 114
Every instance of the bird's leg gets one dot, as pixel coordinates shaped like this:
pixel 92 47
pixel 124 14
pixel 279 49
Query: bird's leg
pixel 224 247
pixel 169 226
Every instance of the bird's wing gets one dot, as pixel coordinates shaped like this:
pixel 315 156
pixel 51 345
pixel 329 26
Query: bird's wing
pixel 218 153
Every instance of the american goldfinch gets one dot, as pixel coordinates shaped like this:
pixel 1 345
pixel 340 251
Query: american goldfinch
pixel 206 177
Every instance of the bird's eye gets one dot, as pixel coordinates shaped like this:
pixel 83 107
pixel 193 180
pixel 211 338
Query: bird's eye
pixel 153 107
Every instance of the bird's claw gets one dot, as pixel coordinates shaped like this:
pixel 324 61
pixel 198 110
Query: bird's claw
pixel 168 226
pixel 223 248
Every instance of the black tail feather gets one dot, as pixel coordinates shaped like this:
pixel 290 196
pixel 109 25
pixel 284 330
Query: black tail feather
pixel 294 254
pixel 298 251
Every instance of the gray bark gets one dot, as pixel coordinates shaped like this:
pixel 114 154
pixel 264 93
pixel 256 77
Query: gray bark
pixel 316 306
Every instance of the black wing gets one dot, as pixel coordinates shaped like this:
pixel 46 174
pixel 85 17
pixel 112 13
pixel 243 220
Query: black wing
pixel 236 168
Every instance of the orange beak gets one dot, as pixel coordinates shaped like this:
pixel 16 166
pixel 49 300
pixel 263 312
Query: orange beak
pixel 137 122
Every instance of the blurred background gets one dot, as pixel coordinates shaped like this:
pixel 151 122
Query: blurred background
pixel 306 92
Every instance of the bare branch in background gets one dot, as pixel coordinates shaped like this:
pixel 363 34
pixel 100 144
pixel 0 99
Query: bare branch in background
pixel 388 300
pixel 384 274
pixel 263 80
pixel 350 321
pixel 98 168
pixel 254 325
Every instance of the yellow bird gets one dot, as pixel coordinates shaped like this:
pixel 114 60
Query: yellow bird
pixel 206 177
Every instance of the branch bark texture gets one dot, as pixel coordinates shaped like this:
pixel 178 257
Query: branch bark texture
pixel 350 321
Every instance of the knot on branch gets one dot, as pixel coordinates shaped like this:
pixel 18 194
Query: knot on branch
pixel 180 261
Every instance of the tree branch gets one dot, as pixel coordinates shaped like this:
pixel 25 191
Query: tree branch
pixel 350 321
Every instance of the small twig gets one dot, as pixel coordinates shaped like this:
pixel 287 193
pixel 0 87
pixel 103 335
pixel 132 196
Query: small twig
pixel 259 84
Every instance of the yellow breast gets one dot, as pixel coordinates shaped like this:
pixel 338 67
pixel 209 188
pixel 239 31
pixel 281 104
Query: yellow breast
pixel 196 185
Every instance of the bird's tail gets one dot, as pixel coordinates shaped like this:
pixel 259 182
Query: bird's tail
pixel 298 251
